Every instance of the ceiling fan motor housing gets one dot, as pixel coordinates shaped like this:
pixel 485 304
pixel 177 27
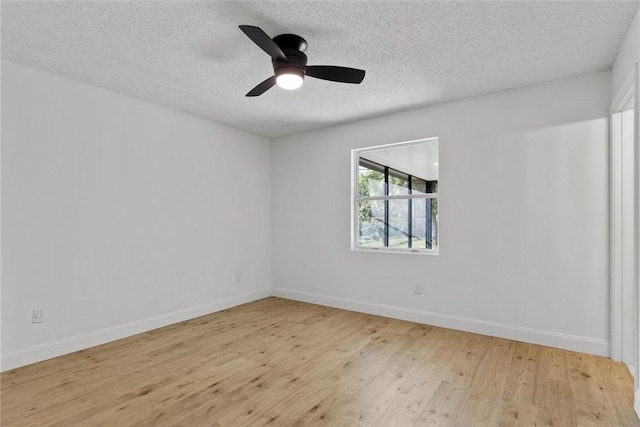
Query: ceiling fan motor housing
pixel 290 41
pixel 293 47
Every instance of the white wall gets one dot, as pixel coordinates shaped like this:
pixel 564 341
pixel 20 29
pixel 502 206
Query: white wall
pixel 119 216
pixel 523 217
pixel 628 55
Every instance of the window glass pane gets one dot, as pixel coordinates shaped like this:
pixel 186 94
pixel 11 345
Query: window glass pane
pixel 434 223
pixel 424 224
pixel 371 223
pixel 370 179
pixel 398 182
pixel 419 223
pixel 418 185
pixel 398 223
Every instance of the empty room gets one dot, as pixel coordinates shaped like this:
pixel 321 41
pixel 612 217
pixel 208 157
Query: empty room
pixel 341 213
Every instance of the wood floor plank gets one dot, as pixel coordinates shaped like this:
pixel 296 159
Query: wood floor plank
pixel 281 362
pixel 409 399
pixel 489 383
pixel 552 403
pixel 592 402
pixel 443 408
pixel 329 412
pixel 511 412
pixel 522 373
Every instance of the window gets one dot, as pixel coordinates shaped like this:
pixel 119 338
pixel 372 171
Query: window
pixel 395 197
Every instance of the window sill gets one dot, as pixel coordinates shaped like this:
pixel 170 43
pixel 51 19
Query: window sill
pixel 398 251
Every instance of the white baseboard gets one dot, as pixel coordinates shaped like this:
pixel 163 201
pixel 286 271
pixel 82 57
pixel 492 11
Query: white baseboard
pixel 38 353
pixel 534 336
pixel 636 402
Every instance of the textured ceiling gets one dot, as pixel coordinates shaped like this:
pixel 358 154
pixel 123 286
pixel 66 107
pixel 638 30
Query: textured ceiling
pixel 191 56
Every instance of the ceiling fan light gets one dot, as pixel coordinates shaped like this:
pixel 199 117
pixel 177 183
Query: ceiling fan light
pixel 289 78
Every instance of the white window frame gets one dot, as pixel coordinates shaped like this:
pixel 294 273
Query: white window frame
pixel 355 200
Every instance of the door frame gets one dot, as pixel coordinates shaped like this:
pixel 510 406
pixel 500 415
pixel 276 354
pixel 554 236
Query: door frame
pixel 628 91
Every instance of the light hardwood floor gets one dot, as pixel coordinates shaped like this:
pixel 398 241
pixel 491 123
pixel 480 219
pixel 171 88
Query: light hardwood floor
pixel 280 362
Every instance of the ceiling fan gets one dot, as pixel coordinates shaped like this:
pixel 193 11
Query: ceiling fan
pixel 290 62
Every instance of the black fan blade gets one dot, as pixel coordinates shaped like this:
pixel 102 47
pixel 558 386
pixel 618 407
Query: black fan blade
pixel 335 74
pixel 263 41
pixel 262 87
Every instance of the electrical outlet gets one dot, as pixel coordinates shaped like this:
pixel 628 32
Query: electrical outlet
pixel 238 277
pixel 37 316
pixel 417 288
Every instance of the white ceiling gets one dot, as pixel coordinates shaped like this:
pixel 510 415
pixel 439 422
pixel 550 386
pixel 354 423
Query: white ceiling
pixel 191 56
